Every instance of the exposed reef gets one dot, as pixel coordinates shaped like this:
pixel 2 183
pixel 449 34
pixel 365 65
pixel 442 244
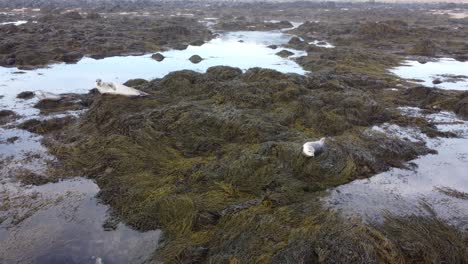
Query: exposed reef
pixel 61 38
pixel 215 161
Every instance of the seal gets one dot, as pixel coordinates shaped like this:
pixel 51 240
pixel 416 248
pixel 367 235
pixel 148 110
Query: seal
pixel 313 148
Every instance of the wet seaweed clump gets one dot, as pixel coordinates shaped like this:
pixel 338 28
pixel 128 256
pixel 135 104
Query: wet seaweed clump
pixel 7 116
pixel 215 159
pixel 45 126
pixel 285 53
pixel 26 95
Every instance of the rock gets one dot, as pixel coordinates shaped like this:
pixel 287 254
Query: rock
pixel 26 95
pixel 7 116
pixel 437 81
pixel 158 57
pixel 195 59
pixel 461 58
pixel 6 113
pixel 12 140
pixel 135 82
pixel 272 46
pixel 198 42
pixel 72 15
pixel 285 53
pixel 461 107
pixel 93 15
pixel 46 126
pixel 72 57
pixel 180 46
pixel 295 41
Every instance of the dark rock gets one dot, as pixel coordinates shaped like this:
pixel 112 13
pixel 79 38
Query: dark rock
pixel 72 15
pixel 180 46
pixel 461 107
pixel 72 57
pixel 26 95
pixel 7 116
pixel 197 42
pixel 46 126
pixel 158 57
pixel 295 41
pixel 93 15
pixel 273 46
pixel 461 58
pixel 285 53
pixel 195 59
pixel 12 140
pixel 135 82
pixel 437 81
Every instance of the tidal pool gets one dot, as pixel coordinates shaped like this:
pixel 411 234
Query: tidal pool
pixel 411 191
pixel 452 74
pixel 16 23
pixel 63 222
pixel 80 77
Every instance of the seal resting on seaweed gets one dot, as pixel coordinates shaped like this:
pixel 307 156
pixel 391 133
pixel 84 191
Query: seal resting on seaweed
pixel 313 148
pixel 113 88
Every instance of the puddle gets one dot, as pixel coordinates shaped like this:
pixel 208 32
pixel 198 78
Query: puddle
pixel 16 23
pixel 403 192
pixel 322 44
pixel 63 223
pixel 453 74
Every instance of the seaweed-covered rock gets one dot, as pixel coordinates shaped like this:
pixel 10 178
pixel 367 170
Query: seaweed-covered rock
pixel 158 57
pixel 461 107
pixel 285 53
pixel 26 95
pixel 72 15
pixel 46 126
pixel 6 116
pixel 223 72
pixel 195 59
pixel 135 82
pixel 207 152
pixel 424 48
pixel 272 46
pixel 295 41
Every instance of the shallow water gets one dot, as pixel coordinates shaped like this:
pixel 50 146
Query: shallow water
pixel 63 221
pixel 65 225
pixel 16 23
pixel 440 69
pixel 322 44
pixel 403 192
pixel 80 77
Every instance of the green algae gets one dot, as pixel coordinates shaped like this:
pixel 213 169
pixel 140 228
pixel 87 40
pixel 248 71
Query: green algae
pixel 217 164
